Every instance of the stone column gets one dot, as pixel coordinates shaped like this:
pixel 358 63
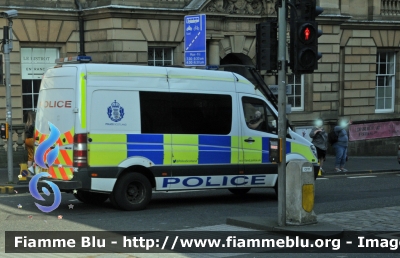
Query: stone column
pixel 213 52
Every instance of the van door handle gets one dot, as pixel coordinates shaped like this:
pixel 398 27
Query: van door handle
pixel 249 140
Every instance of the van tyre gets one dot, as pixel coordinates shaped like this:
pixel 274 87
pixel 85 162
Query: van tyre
pixel 113 201
pixel 91 197
pixel 132 192
pixel 239 191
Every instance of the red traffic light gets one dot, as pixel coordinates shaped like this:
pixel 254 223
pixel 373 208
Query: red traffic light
pixel 307 33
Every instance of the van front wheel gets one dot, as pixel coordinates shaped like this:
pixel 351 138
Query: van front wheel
pixel 239 191
pixel 132 192
pixel 91 197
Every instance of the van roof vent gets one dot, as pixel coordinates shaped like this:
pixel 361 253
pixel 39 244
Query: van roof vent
pixel 73 60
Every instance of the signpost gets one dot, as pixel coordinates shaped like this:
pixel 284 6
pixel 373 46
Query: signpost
pixel 282 112
pixel 195 40
pixel 7 48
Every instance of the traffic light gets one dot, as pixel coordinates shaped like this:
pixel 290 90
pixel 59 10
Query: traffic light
pixel 304 35
pixel 4 130
pixel 267 46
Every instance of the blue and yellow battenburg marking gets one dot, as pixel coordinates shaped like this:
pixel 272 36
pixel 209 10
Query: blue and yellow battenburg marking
pixel 160 149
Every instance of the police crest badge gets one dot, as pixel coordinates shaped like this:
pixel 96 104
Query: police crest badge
pixel 115 111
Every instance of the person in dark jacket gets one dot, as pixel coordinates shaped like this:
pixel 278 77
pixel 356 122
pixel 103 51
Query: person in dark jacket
pixel 320 140
pixel 341 145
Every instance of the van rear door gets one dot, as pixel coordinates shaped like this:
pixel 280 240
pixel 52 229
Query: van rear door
pixel 56 105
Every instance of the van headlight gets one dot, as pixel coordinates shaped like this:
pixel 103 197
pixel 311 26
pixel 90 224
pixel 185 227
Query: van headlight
pixel 314 150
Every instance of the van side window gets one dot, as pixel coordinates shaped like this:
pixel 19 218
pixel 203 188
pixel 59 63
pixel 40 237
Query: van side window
pixel 155 112
pixel 259 116
pixel 185 113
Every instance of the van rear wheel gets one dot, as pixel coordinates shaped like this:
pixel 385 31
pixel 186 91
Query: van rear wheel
pixel 132 192
pixel 91 197
pixel 239 191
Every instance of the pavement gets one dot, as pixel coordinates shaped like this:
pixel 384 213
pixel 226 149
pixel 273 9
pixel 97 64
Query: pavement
pixel 333 225
pixel 372 220
pixel 357 164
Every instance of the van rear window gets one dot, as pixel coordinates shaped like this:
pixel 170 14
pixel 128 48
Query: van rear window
pixel 185 113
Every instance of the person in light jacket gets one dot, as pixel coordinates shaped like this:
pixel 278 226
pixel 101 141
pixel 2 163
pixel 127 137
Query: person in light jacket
pixel 341 145
pixel 320 140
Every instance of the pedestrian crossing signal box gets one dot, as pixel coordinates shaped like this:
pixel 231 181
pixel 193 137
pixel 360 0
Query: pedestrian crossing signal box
pixel 4 131
pixel 275 151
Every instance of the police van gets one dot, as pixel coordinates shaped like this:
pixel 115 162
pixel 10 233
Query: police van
pixel 126 131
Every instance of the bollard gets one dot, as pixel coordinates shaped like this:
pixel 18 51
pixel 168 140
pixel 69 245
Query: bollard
pixel 300 193
pixel 23 173
pixel 9 189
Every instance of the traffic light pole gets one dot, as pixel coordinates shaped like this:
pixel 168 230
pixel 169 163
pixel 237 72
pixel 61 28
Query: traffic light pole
pixel 7 47
pixel 282 130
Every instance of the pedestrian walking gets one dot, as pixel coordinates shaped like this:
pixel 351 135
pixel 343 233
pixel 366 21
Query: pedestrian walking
pixel 320 140
pixel 341 145
pixel 29 134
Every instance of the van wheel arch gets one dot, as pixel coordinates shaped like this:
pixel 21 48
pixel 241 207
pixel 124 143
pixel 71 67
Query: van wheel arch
pixel 141 170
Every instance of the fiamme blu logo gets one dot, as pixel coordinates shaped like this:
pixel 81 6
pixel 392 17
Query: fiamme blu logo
pixel 45 161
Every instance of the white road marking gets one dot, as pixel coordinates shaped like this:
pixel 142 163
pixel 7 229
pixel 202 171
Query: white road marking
pixel 320 178
pixel 360 176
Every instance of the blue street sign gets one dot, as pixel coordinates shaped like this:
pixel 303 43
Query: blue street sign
pixel 195 40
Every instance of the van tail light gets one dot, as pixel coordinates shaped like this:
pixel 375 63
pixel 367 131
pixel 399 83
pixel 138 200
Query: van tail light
pixel 80 150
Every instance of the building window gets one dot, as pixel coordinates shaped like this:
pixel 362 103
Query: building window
pixel 160 56
pixel 30 93
pixel 385 81
pixel 34 62
pixel 296 98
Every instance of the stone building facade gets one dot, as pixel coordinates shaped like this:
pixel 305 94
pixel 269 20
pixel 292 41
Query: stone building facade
pixel 357 77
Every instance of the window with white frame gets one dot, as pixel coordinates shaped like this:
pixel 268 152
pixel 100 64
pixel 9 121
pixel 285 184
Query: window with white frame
pixel 160 56
pixel 385 81
pixel 30 94
pixel 296 98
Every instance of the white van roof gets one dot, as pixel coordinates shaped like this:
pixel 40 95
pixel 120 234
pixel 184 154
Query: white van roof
pixel 115 71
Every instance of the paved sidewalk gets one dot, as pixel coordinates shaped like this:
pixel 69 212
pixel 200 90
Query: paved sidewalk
pixel 379 219
pixel 19 186
pixel 364 164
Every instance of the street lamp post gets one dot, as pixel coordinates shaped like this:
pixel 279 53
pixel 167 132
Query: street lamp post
pixel 7 47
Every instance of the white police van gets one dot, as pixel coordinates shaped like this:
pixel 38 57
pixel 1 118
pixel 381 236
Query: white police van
pixel 128 130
